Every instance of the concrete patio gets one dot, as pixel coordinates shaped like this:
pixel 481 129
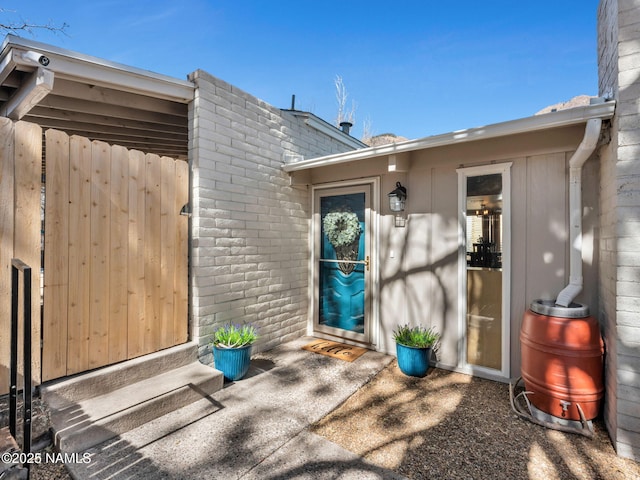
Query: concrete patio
pixel 254 428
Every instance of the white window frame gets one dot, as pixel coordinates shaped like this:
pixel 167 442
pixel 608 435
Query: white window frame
pixel 503 169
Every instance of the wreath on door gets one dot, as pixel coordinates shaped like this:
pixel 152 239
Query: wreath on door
pixel 342 229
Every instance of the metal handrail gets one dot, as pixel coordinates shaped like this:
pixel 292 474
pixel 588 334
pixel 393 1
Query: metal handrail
pixel 18 266
pixel 357 262
pixel 364 262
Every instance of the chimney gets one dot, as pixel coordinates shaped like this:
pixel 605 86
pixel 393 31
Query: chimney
pixel 345 126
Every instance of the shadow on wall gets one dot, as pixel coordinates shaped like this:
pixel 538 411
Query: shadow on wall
pixel 427 292
pixel 618 240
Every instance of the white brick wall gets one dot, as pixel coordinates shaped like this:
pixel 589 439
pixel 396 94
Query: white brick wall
pixel 619 73
pixel 608 85
pixel 249 247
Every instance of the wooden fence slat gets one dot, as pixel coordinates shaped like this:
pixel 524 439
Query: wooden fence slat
pixel 56 269
pixel 28 228
pixel 152 253
pixel 100 258
pixel 119 239
pixel 181 269
pixel 136 258
pixel 7 155
pixel 79 254
pixel 168 216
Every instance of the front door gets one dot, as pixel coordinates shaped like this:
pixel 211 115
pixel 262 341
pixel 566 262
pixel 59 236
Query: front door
pixel 342 261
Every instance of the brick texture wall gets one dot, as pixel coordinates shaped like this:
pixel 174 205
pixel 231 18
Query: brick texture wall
pixel 619 76
pixel 250 228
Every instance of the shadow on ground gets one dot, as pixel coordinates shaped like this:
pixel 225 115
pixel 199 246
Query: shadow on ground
pixel 256 428
pixel 450 425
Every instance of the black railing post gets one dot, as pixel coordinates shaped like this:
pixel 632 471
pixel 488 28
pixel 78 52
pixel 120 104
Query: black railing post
pixel 20 266
pixel 13 364
pixel 27 362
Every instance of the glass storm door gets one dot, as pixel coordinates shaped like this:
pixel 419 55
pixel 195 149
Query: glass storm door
pixel 485 207
pixel 342 246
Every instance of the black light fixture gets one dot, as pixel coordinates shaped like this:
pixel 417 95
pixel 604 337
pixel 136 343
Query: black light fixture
pixel 398 198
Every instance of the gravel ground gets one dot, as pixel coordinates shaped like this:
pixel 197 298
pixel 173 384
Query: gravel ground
pixel 41 443
pixel 50 471
pixel 453 426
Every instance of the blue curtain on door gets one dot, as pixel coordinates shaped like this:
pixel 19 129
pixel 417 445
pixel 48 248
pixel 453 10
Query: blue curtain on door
pixel 342 289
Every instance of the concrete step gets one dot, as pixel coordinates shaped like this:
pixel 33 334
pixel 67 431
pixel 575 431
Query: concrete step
pixel 104 380
pixel 81 420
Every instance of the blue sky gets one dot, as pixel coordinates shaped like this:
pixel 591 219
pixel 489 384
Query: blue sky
pixel 413 68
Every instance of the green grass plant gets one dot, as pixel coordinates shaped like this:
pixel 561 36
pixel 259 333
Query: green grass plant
pixel 234 336
pixel 418 337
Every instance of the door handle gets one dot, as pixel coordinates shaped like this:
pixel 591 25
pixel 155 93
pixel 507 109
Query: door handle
pixel 364 262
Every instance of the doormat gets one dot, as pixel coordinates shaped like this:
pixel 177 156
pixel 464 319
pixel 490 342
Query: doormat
pixel 344 352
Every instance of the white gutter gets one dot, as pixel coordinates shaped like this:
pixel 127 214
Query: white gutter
pixel 562 118
pixel 584 151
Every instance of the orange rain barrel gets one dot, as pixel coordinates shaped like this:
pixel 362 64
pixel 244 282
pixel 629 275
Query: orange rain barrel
pixel 562 360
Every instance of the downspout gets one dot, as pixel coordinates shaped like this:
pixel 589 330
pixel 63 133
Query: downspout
pixel 584 151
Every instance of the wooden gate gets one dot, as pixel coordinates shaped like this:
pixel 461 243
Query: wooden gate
pixel 115 262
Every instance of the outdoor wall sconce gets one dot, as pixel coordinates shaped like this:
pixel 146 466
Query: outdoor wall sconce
pixel 398 198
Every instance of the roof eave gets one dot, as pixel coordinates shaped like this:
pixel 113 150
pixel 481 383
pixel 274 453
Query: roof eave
pixel 562 118
pixel 96 71
pixel 326 128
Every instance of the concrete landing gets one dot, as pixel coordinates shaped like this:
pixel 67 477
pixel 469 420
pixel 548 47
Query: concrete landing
pixel 89 409
pixel 254 429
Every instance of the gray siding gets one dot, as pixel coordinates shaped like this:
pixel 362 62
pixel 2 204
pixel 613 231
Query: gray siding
pixel 420 283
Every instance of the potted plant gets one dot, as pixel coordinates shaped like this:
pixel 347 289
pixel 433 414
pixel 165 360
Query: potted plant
pixel 413 348
pixel 232 350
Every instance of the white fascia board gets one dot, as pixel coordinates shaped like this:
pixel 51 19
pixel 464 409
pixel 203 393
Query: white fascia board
pixel 96 71
pixel 327 129
pixel 562 118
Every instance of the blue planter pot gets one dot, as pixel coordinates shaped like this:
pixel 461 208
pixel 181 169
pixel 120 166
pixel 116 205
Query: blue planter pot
pixel 232 362
pixel 413 361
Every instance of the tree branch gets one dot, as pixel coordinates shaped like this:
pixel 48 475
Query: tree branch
pixel 25 26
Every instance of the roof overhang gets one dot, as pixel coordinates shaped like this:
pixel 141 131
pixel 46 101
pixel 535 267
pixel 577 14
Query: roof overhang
pixel 563 118
pixel 20 53
pixel 322 126
pixel 95 98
